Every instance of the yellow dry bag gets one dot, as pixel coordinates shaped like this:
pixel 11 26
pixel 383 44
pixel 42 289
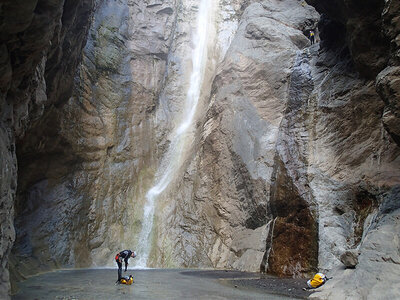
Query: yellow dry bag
pixel 127 280
pixel 318 280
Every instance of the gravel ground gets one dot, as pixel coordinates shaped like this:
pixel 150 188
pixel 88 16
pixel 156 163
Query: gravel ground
pixel 289 287
pixel 281 286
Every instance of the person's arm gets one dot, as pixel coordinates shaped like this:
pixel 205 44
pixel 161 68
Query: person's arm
pixel 126 262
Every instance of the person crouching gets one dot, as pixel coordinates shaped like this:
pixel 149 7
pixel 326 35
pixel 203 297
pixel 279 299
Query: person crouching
pixel 123 256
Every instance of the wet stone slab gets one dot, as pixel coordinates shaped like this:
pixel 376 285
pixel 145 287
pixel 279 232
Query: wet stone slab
pixel 99 284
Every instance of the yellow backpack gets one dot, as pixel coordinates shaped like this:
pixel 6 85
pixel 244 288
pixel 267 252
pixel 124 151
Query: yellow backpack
pixel 127 280
pixel 318 280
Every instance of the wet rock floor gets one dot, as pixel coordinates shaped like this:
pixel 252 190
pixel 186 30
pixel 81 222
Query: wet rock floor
pixel 99 284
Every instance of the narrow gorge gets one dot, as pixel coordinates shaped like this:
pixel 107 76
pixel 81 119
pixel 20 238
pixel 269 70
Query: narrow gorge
pixel 205 134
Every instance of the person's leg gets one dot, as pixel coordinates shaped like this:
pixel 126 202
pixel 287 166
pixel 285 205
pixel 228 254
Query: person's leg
pixel 119 269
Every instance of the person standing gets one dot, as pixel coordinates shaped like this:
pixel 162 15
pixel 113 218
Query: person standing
pixel 123 256
pixel 312 37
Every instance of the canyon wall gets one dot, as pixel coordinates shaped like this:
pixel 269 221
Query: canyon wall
pixel 41 43
pixel 84 195
pixel 292 157
pixel 86 166
pixel 219 214
pixel 360 211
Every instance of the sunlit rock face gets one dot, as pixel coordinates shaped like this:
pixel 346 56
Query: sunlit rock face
pixel 218 214
pixel 41 43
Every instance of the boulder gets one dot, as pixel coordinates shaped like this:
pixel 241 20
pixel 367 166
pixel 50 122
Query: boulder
pixel 350 258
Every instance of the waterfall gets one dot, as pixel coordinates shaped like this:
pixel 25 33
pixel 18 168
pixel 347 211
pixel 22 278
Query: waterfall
pixel 269 241
pixel 173 157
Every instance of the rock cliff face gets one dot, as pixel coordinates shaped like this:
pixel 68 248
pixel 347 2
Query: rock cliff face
pixel 292 156
pixel 369 32
pixel 221 214
pixel 93 159
pixel 41 43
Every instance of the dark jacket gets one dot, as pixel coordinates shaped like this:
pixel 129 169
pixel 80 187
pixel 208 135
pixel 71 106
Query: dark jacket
pixel 125 255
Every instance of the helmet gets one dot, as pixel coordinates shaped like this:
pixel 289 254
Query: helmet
pixel 133 254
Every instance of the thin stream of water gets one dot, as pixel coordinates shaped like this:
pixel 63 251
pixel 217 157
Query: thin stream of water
pixel 172 158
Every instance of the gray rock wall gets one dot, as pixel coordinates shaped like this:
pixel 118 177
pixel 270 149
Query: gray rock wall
pixel 371 33
pixel 217 214
pixel 286 166
pixel 377 271
pixel 41 44
pixel 8 185
pixel 84 178
pixel 96 154
pixel 366 158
